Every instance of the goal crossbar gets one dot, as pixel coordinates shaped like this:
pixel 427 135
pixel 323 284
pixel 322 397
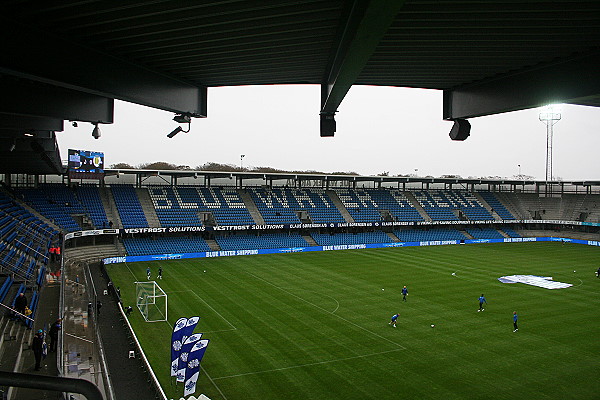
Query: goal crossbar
pixel 151 300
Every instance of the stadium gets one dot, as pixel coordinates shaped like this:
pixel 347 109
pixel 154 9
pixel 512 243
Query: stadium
pixel 149 283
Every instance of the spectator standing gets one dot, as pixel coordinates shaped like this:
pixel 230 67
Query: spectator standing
pixel 21 304
pixel 37 345
pixel 54 330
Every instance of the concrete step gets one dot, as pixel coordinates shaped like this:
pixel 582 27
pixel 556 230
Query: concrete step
pixel 310 240
pixel 393 237
pixel 413 201
pixel 485 205
pixel 335 199
pixel 252 209
pixel 148 207
pixel 214 246
pixel 110 208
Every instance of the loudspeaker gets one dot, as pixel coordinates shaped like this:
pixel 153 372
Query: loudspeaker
pixel 460 130
pixel 327 125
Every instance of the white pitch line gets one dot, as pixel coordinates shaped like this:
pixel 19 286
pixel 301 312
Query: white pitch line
pixel 306 365
pixel 168 323
pixel 329 312
pixel 130 271
pixel 209 306
pixel 213 382
pixel 322 294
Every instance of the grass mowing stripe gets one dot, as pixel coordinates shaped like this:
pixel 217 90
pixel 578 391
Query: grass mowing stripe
pixel 468 354
pixel 324 310
pixel 209 306
pixel 307 364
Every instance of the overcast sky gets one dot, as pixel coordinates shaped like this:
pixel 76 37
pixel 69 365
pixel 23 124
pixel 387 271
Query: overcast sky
pixel 378 129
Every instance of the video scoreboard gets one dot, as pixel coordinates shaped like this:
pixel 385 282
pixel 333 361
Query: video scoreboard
pixel 85 164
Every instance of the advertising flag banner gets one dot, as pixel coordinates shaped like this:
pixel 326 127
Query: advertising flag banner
pixel 193 366
pixel 184 355
pixel 176 343
pixel 183 328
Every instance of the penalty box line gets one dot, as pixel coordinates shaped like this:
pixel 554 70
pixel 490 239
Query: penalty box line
pixel 329 312
pixel 306 365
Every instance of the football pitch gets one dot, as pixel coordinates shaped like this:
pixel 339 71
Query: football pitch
pixel 315 325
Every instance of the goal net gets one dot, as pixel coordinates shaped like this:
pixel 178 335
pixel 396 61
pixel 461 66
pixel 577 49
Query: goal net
pixel 151 301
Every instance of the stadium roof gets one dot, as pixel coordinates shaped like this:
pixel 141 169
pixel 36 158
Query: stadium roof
pixel 300 179
pixel 69 60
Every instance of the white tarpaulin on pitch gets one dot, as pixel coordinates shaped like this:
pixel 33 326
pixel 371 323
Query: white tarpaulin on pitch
pixel 540 281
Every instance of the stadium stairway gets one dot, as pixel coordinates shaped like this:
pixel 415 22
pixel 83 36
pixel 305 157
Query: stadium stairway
pixel 17 347
pixel 467 234
pixel 506 235
pixel 339 205
pixel 251 206
pixel 485 205
pixel 94 253
pixel 310 240
pixel 393 237
pixel 214 246
pixel 148 207
pixel 110 208
pixel 413 201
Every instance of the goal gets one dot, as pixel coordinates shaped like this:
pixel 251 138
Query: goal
pixel 151 301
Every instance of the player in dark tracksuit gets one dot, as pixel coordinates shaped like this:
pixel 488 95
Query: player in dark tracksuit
pixel 404 293
pixel 481 302
pixel 515 319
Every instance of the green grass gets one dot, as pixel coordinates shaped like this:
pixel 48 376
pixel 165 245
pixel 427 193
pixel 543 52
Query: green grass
pixel 315 325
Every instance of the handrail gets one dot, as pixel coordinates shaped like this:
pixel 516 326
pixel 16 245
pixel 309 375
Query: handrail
pixel 69 385
pixel 16 312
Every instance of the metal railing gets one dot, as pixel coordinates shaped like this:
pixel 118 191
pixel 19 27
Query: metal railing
pixel 69 385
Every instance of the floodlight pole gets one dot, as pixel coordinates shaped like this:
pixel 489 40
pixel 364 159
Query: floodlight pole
pixel 242 161
pixel 549 117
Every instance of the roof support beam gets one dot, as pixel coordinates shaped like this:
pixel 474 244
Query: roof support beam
pixel 569 80
pixel 36 99
pixel 363 25
pixel 44 57
pixel 23 123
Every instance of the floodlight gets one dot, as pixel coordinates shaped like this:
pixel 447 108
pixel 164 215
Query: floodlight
pixel 175 132
pixel 96 132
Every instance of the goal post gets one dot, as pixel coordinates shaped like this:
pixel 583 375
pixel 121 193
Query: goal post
pixel 151 300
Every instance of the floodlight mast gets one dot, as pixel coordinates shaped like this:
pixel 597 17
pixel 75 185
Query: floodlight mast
pixel 549 116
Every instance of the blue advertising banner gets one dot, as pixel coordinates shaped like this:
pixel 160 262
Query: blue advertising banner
pixel 229 253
